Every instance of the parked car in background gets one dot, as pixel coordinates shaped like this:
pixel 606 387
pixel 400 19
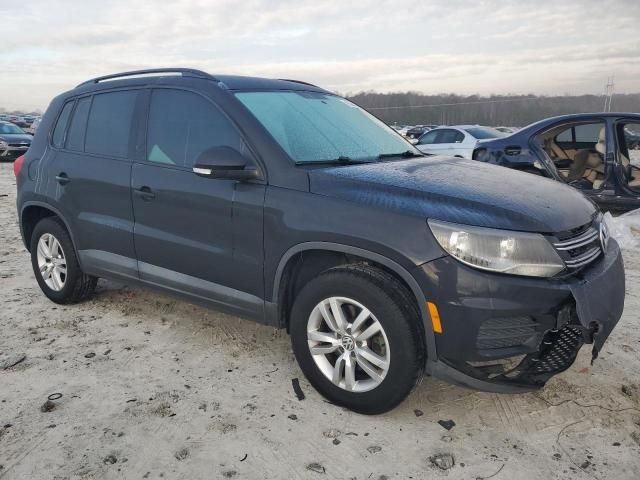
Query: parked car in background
pixel 456 141
pixel 13 141
pixel 593 152
pixel 414 133
pixel 34 126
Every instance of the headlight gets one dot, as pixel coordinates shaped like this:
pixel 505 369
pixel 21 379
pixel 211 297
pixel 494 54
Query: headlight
pixel 503 251
pixel 3 144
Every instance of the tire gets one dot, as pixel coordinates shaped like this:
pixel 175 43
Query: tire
pixel 70 287
pixel 398 346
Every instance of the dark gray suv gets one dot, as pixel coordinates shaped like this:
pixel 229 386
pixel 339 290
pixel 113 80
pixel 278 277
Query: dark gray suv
pixel 282 202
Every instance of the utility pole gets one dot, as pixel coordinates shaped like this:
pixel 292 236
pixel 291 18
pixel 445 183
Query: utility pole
pixel 608 94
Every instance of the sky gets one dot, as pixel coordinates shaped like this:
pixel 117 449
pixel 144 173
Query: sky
pixel 546 47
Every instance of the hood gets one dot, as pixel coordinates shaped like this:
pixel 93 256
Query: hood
pixel 16 138
pixel 460 191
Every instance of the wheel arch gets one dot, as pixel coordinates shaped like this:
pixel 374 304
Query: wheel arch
pixel 288 262
pixel 32 212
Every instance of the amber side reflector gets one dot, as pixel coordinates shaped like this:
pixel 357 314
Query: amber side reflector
pixel 435 317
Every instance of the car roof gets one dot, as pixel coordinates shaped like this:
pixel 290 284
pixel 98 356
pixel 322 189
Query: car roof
pixel 577 116
pixel 229 82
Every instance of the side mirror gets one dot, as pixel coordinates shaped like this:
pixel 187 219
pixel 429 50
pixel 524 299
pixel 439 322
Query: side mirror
pixel 224 162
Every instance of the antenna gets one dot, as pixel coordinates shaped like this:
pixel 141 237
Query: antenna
pixel 608 94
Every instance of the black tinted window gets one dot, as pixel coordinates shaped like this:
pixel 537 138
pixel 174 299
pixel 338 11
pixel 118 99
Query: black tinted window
pixel 75 137
pixel 449 136
pixel 182 125
pixel 61 125
pixel 109 126
pixel 428 138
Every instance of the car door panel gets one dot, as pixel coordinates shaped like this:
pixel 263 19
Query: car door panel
pixel 93 190
pixel 195 235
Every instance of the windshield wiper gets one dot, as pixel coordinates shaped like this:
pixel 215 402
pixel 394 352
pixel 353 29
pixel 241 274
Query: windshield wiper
pixel 341 160
pixel 405 154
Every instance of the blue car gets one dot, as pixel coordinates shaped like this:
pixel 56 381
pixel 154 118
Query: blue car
pixel 597 153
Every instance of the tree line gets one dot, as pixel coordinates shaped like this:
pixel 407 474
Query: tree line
pixel 412 108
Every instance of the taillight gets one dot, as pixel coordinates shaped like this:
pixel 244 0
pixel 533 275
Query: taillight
pixel 17 165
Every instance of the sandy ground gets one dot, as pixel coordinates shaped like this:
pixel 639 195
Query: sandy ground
pixel 158 388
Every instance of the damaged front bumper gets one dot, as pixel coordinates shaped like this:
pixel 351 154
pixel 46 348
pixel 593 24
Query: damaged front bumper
pixel 511 334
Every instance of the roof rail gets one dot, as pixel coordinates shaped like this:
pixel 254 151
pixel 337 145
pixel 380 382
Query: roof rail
pixel 298 81
pixel 185 72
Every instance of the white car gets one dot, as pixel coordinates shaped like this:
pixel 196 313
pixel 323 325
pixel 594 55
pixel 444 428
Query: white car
pixel 458 141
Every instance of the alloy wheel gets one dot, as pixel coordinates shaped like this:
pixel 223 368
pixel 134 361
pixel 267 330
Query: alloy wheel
pixel 52 263
pixel 348 344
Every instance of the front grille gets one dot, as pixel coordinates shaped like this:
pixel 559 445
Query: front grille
pixel 18 145
pixel 505 332
pixel 580 248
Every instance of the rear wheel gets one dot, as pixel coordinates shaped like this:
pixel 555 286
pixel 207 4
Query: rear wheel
pixel 355 333
pixel 55 264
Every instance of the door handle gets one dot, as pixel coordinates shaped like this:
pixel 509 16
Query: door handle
pixel 144 193
pixel 62 178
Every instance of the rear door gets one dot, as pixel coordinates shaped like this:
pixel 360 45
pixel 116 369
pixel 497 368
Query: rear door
pixel 194 235
pixel 91 171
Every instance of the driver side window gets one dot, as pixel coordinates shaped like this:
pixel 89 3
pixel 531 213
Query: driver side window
pixel 182 125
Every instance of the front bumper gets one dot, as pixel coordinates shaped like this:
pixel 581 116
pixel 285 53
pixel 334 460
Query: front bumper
pixel 506 333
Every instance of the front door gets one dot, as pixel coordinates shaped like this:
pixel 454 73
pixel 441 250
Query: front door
pixel 194 235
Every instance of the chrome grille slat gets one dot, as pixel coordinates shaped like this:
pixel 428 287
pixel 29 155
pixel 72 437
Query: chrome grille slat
pixel 584 259
pixel 579 241
pixel 582 249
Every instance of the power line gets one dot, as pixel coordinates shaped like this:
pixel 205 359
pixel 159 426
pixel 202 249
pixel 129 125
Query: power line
pixel 453 104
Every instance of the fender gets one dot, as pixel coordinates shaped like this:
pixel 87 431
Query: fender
pixel 47 206
pixel 387 262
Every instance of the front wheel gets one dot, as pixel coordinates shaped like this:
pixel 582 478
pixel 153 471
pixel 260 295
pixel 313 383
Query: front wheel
pixel 355 333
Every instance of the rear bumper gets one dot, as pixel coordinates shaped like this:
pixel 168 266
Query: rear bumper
pixel 508 334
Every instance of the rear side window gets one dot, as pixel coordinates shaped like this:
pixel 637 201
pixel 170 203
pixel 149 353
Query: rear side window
pixel 58 132
pixel 109 124
pixel 182 125
pixel 449 136
pixel 75 136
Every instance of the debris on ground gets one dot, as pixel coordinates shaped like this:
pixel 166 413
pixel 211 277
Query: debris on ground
pixel 316 467
pixel 418 413
pixel 296 388
pixel 444 461
pixel 47 406
pixel 182 454
pixel 110 460
pixel 447 424
pixel 11 361
pixel 374 449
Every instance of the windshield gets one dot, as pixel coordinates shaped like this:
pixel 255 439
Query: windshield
pixel 315 127
pixel 482 133
pixel 9 128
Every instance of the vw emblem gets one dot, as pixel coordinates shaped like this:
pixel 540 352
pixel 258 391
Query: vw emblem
pixel 604 236
pixel 348 343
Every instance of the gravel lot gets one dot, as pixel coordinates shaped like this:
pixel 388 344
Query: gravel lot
pixel 155 387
